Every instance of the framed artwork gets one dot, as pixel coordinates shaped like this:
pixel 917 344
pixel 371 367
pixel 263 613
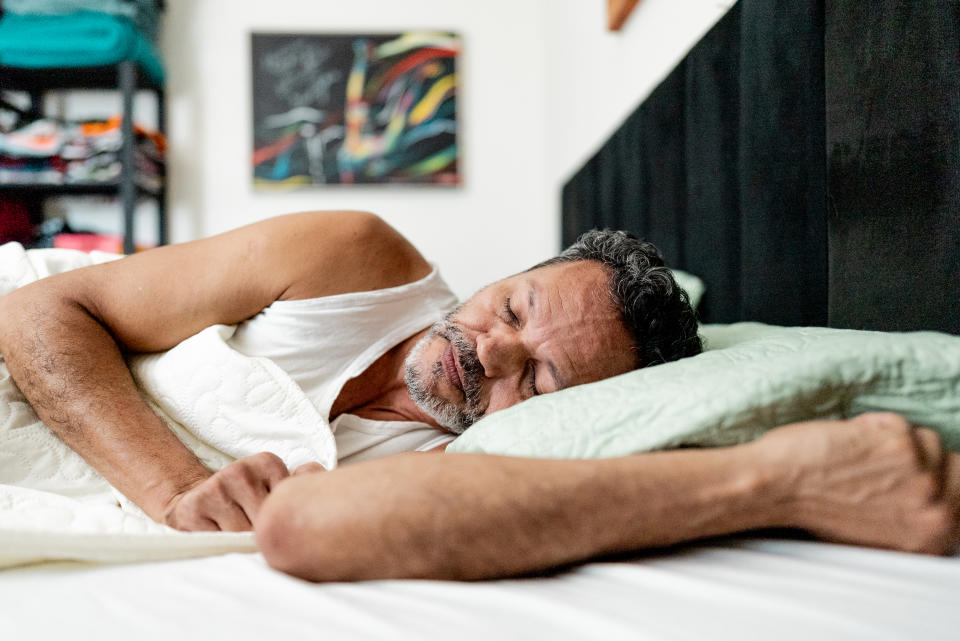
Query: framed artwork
pixel 355 109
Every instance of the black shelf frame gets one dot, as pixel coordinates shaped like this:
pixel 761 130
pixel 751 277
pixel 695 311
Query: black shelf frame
pixel 127 78
pixel 35 190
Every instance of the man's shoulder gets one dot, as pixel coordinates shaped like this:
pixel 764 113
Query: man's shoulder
pixel 338 252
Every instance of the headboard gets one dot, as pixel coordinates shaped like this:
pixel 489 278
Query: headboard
pixel 804 161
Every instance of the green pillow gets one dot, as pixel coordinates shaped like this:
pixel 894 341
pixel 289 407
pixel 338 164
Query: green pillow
pixel 690 284
pixel 752 378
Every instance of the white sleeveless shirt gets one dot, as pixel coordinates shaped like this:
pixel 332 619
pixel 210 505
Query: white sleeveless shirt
pixel 324 342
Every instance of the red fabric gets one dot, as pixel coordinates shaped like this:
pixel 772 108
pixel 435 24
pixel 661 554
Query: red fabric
pixel 15 223
pixel 90 242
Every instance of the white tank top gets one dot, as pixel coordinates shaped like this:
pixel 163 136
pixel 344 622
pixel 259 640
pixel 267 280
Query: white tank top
pixel 324 342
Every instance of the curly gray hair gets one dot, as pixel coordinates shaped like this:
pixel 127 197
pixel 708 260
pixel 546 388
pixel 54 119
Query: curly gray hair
pixel 653 307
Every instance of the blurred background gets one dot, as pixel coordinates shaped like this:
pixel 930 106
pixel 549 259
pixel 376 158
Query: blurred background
pixel 540 85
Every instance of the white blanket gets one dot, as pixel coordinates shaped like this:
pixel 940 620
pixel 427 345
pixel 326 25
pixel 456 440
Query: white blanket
pixel 221 404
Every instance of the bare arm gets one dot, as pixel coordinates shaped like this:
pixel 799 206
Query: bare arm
pixel 869 481
pixel 64 337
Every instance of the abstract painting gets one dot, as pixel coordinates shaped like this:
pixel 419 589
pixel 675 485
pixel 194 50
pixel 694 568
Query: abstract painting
pixel 355 109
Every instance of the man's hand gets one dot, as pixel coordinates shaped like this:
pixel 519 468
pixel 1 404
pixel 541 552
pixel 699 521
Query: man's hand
pixel 230 499
pixel 872 480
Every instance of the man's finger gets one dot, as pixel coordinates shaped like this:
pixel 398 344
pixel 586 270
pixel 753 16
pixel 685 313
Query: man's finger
pixel 270 468
pixel 933 454
pixel 195 523
pixel 951 490
pixel 230 517
pixel 308 468
pixel 247 482
pixel 241 493
pixel 195 510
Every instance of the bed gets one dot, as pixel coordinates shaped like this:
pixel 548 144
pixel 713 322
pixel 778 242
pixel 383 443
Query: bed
pixel 743 588
pixel 783 288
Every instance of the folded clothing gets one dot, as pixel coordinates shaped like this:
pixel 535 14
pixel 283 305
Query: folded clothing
pixel 49 151
pixel 82 39
pixel 144 13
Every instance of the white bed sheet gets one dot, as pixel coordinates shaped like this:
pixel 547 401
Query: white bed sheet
pixel 739 588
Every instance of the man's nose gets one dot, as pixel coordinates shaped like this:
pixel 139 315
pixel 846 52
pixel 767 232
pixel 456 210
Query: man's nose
pixel 500 352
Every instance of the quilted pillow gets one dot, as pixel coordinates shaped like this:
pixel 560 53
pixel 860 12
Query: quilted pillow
pixel 752 378
pixel 691 284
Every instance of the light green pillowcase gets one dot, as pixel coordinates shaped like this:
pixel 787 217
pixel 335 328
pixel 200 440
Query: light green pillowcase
pixel 752 378
pixel 690 284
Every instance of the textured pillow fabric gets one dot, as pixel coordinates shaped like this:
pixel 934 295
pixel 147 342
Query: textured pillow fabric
pixel 752 378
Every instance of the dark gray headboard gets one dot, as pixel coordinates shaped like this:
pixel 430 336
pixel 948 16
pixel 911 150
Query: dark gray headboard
pixel 804 160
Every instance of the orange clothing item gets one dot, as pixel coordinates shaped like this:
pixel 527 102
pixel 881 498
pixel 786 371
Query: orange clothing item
pixel 114 123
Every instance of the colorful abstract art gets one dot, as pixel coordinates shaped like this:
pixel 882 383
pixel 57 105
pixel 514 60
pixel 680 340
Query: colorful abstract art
pixel 355 109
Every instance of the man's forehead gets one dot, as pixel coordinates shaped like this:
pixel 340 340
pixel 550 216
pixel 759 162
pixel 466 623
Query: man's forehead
pixel 581 323
pixel 581 275
pixel 584 279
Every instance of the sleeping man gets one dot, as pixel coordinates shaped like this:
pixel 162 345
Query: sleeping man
pixel 365 326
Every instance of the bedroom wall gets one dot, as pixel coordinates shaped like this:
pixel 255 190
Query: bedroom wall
pixel 523 129
pixel 532 106
pixel 595 77
pixel 497 222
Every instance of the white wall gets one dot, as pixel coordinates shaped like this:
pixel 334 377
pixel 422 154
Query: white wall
pixel 499 221
pixel 542 84
pixel 596 78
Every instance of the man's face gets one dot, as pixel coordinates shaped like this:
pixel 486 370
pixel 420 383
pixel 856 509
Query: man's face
pixel 533 333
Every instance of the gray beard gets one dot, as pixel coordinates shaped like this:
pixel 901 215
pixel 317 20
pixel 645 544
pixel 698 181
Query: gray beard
pixel 448 415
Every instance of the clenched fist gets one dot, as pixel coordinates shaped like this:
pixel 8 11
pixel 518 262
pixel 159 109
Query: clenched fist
pixel 229 499
pixel 872 480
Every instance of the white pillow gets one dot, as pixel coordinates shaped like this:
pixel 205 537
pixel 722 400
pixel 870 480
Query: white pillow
pixel 752 378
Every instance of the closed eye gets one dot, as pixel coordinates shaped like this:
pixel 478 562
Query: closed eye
pixel 512 318
pixel 533 381
pixel 514 321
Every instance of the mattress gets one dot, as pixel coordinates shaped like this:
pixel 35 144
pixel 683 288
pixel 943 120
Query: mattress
pixel 734 588
pixel 739 588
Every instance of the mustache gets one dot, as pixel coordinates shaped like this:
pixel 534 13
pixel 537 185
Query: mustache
pixel 472 371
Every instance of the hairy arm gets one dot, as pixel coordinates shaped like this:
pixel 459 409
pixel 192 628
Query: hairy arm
pixel 63 339
pixel 870 481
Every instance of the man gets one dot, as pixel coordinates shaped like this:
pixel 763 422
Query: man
pixel 558 325
pixel 283 280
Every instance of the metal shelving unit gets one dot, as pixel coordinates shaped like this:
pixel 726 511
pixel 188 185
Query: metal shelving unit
pixel 125 77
